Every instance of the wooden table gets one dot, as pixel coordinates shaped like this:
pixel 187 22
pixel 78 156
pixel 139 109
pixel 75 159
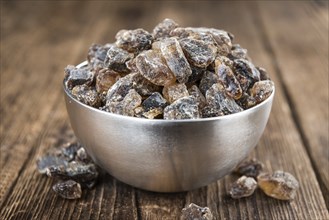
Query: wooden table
pixel 38 39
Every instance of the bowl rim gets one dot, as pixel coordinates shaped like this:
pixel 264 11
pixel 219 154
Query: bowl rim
pixel 124 117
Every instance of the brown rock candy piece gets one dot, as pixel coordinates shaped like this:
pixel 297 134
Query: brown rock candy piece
pixel 77 76
pixel 263 73
pixel 131 81
pixel 226 61
pixel 131 101
pixel 44 162
pixel 131 65
pixel 153 67
pixel 210 111
pixel 153 106
pixel 198 53
pixel 175 59
pixel 120 89
pixel 143 86
pixel 246 73
pixel 126 107
pixel 183 108
pixel 208 79
pixel 174 91
pixel 197 74
pixel 116 59
pixel 217 98
pixel 69 150
pixel 193 33
pixel 228 79
pixel 78 171
pixel 162 30
pixel 139 112
pixel 155 113
pixel 197 94
pixel 87 95
pixel 246 101
pixel 249 168
pixel 134 41
pixel 105 78
pixel 280 185
pixel 262 90
pixel 68 189
pixel 222 38
pixel 83 156
pixel 237 52
pixel 97 55
pixel 195 212
pixel 243 187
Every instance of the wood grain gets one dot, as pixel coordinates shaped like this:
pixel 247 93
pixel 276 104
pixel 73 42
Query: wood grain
pixel 303 65
pixel 33 115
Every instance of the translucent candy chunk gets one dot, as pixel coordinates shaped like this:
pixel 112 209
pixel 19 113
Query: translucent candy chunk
pixel 175 58
pixel 97 55
pixel 86 95
pixel 222 38
pixel 197 94
pixel 183 108
pixel 211 111
pixel 249 168
pixel 120 89
pixel 197 74
pixel 262 90
pixel 263 73
pixel 77 171
pixel 153 106
pixel 246 101
pixel 279 185
pixel 237 52
pixel 77 76
pixel 162 30
pixel 154 101
pixel 131 101
pixel 217 98
pixel 127 106
pixel 116 59
pixel 174 92
pixel 134 41
pixel 246 73
pixel 228 79
pixel 195 212
pixel 243 187
pixel 68 189
pixel 200 54
pixel 105 79
pixel 208 79
pixel 154 68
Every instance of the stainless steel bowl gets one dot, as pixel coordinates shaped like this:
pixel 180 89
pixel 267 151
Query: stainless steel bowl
pixel 164 155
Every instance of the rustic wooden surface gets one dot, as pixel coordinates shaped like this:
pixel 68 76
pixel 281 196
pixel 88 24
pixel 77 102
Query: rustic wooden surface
pixel 38 39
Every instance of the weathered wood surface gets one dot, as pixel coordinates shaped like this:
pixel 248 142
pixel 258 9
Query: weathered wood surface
pixel 38 39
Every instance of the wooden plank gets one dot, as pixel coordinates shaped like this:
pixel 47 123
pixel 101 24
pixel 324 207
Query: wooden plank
pixel 112 199
pixel 100 204
pixel 303 60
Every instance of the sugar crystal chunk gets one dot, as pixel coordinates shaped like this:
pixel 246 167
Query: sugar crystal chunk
pixel 243 187
pixel 175 58
pixel 183 108
pixel 280 185
pixel 154 68
pixel 175 91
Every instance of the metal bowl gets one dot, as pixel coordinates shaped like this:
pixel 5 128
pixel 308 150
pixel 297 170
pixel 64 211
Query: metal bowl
pixel 167 155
